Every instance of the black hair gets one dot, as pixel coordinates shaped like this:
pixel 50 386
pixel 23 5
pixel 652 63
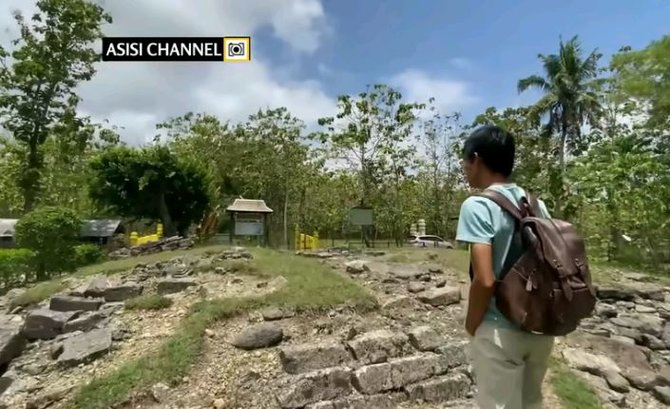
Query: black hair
pixel 494 146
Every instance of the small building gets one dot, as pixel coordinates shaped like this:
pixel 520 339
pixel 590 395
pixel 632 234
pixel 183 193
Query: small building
pixel 98 231
pixel 249 217
pixel 7 233
pixel 101 231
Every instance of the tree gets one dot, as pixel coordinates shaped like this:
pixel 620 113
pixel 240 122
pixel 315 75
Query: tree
pixel 439 170
pixel 37 90
pixel 151 183
pixel 51 232
pixel 570 98
pixel 645 75
pixel 366 132
pixel 534 168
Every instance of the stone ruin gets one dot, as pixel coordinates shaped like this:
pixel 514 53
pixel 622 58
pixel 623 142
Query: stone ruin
pixel 378 369
pixel 166 244
pixel 78 326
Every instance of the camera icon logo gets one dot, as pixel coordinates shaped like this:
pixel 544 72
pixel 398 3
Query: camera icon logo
pixel 237 49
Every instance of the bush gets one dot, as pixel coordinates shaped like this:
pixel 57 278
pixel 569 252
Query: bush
pixel 16 266
pixel 87 254
pixel 51 232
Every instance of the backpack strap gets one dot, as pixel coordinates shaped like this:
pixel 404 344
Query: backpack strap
pixel 502 201
pixel 529 204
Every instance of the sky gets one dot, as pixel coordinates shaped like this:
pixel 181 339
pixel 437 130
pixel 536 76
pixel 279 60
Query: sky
pixel 468 54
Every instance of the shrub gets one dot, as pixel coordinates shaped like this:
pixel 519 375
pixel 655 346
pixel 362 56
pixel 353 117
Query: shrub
pixel 51 232
pixel 87 254
pixel 16 266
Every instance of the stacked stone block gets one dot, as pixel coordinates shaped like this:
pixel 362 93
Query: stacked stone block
pixel 376 370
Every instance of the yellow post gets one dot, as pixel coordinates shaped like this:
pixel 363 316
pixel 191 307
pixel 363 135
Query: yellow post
pixel 316 239
pixel 296 237
pixel 159 231
pixel 302 242
pixel 133 238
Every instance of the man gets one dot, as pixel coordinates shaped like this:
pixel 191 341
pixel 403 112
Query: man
pixel 509 365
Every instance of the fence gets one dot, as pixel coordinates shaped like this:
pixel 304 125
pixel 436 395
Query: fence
pixel 305 241
pixel 137 240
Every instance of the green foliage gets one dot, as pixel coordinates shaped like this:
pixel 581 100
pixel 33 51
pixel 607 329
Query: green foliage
pixel 573 391
pixel 87 254
pixel 151 302
pixel 151 183
pixel 51 232
pixel 645 76
pixel 37 89
pixel 570 100
pixel 16 267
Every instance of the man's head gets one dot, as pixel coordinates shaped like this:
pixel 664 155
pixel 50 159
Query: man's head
pixel 488 156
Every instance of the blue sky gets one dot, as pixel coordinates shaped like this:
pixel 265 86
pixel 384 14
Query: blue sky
pixel 467 54
pixel 486 44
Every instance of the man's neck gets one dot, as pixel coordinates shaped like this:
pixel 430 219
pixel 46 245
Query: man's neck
pixel 496 180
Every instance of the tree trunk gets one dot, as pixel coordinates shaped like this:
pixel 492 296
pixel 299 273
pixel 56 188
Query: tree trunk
pixel 558 204
pixel 286 241
pixel 169 228
pixel 29 182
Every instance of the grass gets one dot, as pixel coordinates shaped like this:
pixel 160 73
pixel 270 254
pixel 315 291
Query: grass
pixel 38 293
pixel 149 302
pixel 310 286
pixel 573 391
pixel 454 259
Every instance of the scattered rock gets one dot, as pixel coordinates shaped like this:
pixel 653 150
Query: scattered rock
pixel 440 283
pixel 644 309
pixel 86 347
pixel 641 379
pixel 71 303
pixel 123 292
pixel 47 398
pixel 46 324
pixel 173 285
pixel 357 267
pixel 219 403
pixel 85 322
pixel 219 270
pixel 662 393
pixel 617 294
pixel 441 296
pixel 652 342
pixel 645 323
pixel 598 365
pixel 606 310
pixel 617 382
pixel 97 287
pixel 160 392
pixel 415 287
pixel 405 271
pixel 425 338
pixel 272 314
pixel 259 336
pixel 12 343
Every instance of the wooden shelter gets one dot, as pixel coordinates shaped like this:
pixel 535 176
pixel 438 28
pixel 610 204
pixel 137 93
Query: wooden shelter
pixel 249 217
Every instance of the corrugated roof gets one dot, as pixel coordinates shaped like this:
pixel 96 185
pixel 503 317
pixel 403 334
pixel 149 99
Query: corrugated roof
pixel 90 228
pixel 249 206
pixel 99 228
pixel 7 227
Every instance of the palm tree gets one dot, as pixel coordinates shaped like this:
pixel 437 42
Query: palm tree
pixel 570 97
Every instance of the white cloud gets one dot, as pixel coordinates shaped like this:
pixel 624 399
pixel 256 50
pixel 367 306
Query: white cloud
pixel 135 96
pixel 450 94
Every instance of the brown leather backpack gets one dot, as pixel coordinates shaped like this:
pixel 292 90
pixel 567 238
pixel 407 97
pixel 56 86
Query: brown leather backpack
pixel 548 290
